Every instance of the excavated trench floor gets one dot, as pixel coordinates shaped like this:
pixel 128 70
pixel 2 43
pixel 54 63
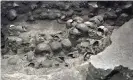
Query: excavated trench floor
pixel 114 52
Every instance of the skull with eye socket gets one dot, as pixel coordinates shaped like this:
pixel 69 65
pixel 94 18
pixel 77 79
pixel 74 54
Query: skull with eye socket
pixel 84 47
pixel 96 46
pixel 103 30
pixel 43 49
pixel 73 22
pixel 16 30
pixel 56 37
pixel 97 19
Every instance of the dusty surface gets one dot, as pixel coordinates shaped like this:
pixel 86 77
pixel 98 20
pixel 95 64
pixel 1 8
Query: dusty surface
pixel 54 41
pixel 102 60
pixel 120 52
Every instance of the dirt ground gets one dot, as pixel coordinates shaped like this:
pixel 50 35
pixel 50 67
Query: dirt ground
pixel 58 40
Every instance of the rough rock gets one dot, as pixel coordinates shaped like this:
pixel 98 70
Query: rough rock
pixel 97 73
pixel 120 50
pixel 120 73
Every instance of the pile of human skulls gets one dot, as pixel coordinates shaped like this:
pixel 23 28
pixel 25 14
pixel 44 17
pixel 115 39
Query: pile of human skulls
pixel 82 38
pixel 84 35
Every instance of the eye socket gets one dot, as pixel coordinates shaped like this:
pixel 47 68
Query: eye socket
pixel 100 30
pixel 96 43
pixel 62 58
pixel 42 34
pixel 31 64
pixel 23 27
pixel 83 47
pixel 29 36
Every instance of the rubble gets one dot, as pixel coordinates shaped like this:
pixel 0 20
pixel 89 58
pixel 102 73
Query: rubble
pixel 118 73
